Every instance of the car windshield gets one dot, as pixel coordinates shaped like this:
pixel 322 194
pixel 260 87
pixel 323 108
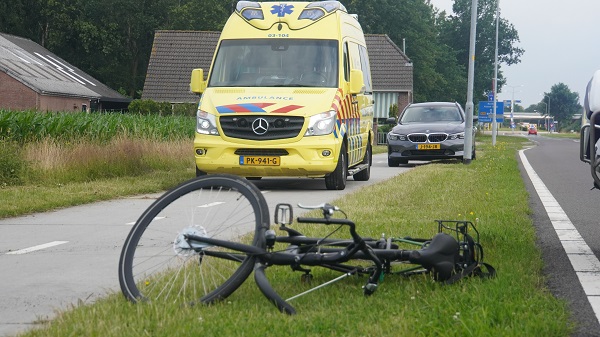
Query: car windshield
pixel 276 63
pixel 431 115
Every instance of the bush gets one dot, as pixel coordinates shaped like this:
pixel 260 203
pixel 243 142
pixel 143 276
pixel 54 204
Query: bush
pixel 393 111
pixel 150 107
pixel 11 164
pixel 185 109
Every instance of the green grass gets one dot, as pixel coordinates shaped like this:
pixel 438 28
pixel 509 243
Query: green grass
pixel 570 135
pixel 489 192
pixel 27 126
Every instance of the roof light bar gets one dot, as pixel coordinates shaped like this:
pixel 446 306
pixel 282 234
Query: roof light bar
pixel 328 6
pixel 317 10
pixel 249 10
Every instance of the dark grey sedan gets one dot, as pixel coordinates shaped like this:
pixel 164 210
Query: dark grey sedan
pixel 427 131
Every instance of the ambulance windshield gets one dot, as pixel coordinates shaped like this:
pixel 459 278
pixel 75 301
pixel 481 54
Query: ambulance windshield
pixel 276 63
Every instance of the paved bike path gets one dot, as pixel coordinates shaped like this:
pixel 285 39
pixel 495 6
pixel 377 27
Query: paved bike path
pixel 53 260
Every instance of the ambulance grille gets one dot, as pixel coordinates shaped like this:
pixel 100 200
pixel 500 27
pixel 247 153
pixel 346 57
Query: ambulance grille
pixel 262 127
pixel 261 152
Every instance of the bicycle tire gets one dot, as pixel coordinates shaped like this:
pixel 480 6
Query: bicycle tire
pixel 156 264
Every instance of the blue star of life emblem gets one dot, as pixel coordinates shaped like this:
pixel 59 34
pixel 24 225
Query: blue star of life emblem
pixel 282 9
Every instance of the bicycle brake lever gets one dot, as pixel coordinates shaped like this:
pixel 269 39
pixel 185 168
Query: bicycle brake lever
pixel 320 206
pixel 311 207
pixel 328 209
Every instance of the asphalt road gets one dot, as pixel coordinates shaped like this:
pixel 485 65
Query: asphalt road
pixel 573 271
pixel 53 260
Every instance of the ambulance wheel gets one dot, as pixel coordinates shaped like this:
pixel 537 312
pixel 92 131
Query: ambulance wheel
pixel 199 172
pixel 336 180
pixel 365 174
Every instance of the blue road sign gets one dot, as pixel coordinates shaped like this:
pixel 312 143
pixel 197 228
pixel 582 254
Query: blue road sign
pixel 486 109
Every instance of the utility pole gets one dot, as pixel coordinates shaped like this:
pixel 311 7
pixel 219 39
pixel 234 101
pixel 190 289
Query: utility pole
pixel 468 151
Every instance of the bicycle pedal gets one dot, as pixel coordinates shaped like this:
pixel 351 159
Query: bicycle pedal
pixel 306 278
pixel 369 288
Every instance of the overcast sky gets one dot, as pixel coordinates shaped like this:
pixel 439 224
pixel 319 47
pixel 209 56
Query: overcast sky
pixel 561 39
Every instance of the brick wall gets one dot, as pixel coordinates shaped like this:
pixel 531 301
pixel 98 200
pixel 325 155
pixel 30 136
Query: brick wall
pixel 14 95
pixel 404 98
pixel 57 103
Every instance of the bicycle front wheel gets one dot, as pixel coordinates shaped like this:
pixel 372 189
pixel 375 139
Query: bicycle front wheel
pixel 157 262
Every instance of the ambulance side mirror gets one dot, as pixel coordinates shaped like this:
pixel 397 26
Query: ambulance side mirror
pixel 197 83
pixel 357 82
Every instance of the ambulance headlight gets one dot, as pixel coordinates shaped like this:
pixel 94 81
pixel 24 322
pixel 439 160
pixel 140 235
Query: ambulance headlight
pixel 206 123
pixel 321 124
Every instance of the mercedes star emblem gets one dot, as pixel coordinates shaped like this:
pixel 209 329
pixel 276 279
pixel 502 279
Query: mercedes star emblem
pixel 260 126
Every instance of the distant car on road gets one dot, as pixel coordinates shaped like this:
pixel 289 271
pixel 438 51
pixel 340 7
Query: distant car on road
pixel 532 130
pixel 427 131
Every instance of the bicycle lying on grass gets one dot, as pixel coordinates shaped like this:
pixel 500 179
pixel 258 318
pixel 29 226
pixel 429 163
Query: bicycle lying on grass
pixel 200 241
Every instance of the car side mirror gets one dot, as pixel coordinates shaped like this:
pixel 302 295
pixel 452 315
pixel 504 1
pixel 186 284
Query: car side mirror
pixel 390 120
pixel 197 82
pixel 357 82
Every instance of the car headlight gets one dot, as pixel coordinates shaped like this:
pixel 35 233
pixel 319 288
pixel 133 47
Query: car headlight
pixel 206 123
pixel 454 136
pixel 321 124
pixel 396 136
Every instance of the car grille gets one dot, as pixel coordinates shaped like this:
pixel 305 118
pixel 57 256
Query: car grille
pixel 261 152
pixel 278 127
pixel 423 137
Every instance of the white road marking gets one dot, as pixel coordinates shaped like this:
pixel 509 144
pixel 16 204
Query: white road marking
pixel 38 247
pixel 156 218
pixel 583 260
pixel 215 203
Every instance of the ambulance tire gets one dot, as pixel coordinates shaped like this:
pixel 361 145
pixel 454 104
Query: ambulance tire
pixel 365 174
pixel 199 172
pixel 336 180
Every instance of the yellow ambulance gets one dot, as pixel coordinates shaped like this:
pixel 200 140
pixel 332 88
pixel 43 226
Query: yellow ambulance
pixel 289 93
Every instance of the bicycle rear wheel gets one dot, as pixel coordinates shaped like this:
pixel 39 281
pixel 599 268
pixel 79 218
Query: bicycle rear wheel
pixel 158 264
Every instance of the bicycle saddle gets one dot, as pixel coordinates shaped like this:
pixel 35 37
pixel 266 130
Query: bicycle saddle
pixel 440 256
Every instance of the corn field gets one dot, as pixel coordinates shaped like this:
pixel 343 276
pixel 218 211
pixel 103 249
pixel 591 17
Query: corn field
pixel 29 126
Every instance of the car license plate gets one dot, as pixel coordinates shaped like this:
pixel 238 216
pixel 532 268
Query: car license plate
pixel 428 146
pixel 259 160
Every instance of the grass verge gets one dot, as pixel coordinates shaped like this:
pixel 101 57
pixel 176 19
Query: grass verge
pixel 489 192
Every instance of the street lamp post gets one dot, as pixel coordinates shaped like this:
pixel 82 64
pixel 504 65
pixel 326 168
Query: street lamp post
pixel 512 102
pixel 495 88
pixel 467 156
pixel 546 115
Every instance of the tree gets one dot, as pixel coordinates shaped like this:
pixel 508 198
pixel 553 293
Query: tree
pixel 564 103
pixel 455 32
pixel 437 74
pixel 198 15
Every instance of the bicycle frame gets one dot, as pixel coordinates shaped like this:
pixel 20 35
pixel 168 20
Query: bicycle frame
pixel 448 257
